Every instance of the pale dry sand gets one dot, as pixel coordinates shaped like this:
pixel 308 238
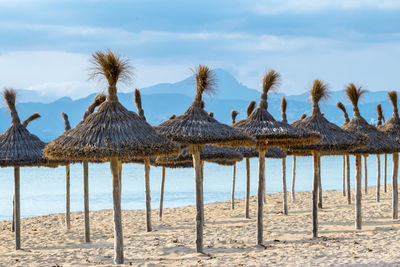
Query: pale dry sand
pixel 229 237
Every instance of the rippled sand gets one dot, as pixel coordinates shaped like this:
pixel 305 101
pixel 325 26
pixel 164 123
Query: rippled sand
pixel 229 238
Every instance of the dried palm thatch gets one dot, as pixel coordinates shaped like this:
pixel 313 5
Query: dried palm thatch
pixel 381 118
pixel 379 142
pixel 334 140
pixel 138 102
pixel 343 108
pixel 100 98
pixel 272 152
pixel 234 114
pixel 32 117
pixel 112 133
pixel 265 129
pixel 283 108
pixel 250 107
pixel 18 147
pixel 196 127
pixel 392 127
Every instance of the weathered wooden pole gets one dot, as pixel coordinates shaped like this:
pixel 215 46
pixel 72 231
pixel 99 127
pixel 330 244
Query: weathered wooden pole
pixel 378 178
pixel 348 179
pixel 319 184
pixel 358 192
pixel 344 176
pixel 294 179
pixel 315 195
pixel 13 215
pixel 202 192
pixel 115 166
pixel 233 187
pixel 17 208
pixel 285 207
pixel 385 177
pixel 366 174
pixel 247 204
pixel 86 200
pixel 67 197
pixel 162 193
pixel 260 195
pixel 195 151
pixel 147 192
pixel 395 193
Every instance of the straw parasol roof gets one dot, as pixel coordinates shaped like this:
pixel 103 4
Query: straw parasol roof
pixel 196 126
pixel 392 127
pixel 334 140
pixel 379 142
pixel 112 131
pixel 18 147
pixel 264 128
pixel 343 109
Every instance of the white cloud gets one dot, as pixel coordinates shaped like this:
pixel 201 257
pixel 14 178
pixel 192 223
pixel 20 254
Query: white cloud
pixel 307 6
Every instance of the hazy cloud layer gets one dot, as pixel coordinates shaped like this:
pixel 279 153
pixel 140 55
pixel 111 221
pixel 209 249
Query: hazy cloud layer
pixel 46 44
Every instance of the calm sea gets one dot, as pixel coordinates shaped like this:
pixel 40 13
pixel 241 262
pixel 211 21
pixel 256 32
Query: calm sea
pixel 43 189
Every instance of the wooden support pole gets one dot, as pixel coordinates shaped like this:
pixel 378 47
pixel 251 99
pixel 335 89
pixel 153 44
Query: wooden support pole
pixel 247 204
pixel 358 193
pixel 13 215
pixel 285 207
pixel 385 176
pixel 348 179
pixel 319 184
pixel 365 175
pixel 67 197
pixel 202 192
pixel 315 195
pixel 233 187
pixel 378 178
pixel 195 151
pixel 17 208
pixel 260 195
pixel 294 179
pixel 86 200
pixel 162 193
pixel 395 193
pixel 147 193
pixel 115 166
pixel 344 176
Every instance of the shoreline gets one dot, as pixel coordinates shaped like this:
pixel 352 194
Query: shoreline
pixel 229 238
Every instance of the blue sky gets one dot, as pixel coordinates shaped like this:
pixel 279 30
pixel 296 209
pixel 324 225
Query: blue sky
pixel 45 45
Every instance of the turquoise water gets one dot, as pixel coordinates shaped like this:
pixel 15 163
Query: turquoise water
pixel 43 189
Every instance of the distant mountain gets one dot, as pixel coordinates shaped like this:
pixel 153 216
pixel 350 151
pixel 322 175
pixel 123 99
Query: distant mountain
pixel 228 87
pixel 161 101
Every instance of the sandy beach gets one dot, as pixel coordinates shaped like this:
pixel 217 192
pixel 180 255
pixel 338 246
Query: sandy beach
pixel 229 238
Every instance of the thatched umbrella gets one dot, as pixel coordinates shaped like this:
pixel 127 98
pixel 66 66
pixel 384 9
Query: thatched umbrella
pixel 392 129
pixel 196 128
pixel 346 158
pixel 19 148
pixel 25 124
pixel 379 142
pixel 334 141
pixel 302 117
pixel 270 133
pixel 381 120
pixel 112 134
